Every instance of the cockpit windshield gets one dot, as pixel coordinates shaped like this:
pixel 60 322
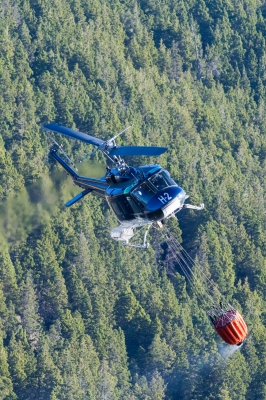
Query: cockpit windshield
pixel 143 193
pixel 162 180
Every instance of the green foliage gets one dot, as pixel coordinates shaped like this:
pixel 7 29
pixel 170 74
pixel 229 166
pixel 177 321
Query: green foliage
pixel 81 317
pixel 6 385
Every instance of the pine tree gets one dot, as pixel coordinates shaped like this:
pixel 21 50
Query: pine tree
pixel 8 276
pixel 30 318
pixel 48 374
pixel 6 385
pixel 51 288
pixel 22 364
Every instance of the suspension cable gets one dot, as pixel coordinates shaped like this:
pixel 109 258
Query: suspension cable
pixel 186 263
pixel 190 275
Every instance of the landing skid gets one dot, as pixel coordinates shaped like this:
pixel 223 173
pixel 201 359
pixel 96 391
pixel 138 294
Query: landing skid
pixel 200 207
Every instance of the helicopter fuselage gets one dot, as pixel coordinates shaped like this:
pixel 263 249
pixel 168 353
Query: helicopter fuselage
pixel 150 194
pixel 145 193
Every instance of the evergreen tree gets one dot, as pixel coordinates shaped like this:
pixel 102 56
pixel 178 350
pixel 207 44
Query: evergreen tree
pixel 6 385
pixel 81 317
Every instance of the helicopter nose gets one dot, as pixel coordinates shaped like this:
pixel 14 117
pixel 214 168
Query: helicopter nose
pixel 167 200
pixel 175 205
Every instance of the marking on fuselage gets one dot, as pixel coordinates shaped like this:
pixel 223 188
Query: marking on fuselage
pixel 165 198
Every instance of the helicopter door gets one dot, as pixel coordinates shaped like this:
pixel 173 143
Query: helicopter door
pixel 122 208
pixel 137 207
pixel 143 193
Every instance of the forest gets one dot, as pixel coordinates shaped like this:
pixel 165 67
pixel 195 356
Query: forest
pixel 81 316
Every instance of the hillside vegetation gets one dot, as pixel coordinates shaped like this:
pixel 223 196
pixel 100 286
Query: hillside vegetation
pixel 81 317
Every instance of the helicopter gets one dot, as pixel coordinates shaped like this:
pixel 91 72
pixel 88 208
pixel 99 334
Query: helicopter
pixel 139 197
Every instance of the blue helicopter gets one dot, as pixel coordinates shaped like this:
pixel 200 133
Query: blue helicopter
pixel 139 197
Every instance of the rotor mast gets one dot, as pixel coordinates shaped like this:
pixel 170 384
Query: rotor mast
pixel 107 146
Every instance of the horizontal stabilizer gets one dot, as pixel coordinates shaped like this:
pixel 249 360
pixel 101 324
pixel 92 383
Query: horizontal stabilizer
pixel 137 151
pixel 73 134
pixel 78 197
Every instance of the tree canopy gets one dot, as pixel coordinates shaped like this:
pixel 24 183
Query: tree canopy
pixel 81 317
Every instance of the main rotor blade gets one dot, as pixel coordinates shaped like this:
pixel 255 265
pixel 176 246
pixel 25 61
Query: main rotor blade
pixel 137 151
pixel 73 134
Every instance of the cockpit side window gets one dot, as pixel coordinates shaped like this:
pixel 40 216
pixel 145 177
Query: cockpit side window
pixel 143 193
pixel 162 180
pixel 168 178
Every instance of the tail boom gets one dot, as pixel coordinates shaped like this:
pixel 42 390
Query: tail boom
pixel 84 182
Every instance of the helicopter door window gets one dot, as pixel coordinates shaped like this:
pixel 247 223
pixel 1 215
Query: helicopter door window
pixel 136 208
pixel 162 180
pixel 125 206
pixel 143 193
pixel 122 208
pixel 116 209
